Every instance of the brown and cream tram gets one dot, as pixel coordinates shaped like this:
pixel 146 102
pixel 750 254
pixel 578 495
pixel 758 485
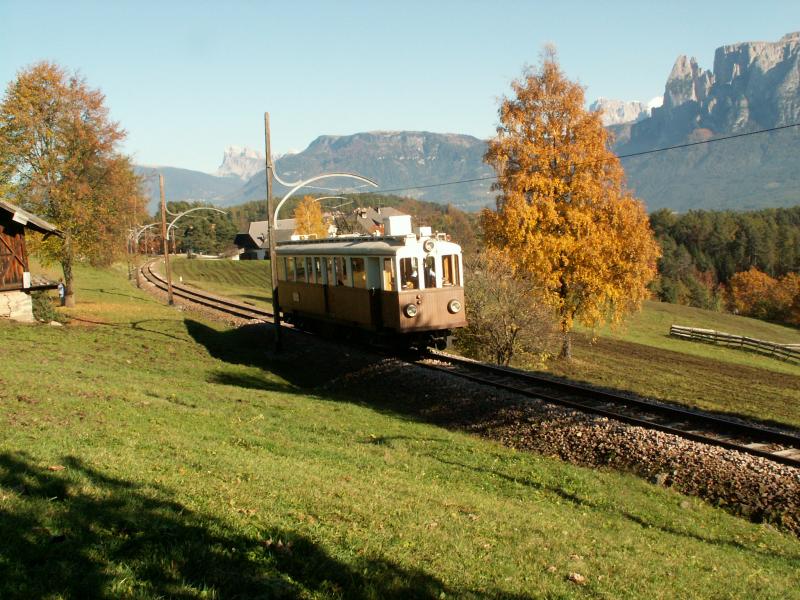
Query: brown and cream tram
pixel 405 286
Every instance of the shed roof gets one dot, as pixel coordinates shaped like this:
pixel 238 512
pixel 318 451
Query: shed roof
pixel 29 220
pixel 257 236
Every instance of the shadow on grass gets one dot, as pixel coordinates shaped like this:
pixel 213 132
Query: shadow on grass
pixel 253 382
pixel 112 293
pixel 265 298
pixel 136 325
pixel 80 533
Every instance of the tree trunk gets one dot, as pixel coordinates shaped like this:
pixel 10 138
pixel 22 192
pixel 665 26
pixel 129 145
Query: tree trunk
pixel 66 265
pixel 566 343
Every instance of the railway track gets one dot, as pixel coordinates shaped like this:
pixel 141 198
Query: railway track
pixel 225 305
pixel 774 445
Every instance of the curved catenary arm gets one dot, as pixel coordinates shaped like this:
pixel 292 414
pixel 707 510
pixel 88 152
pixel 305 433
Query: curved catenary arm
pixel 312 180
pixel 186 212
pixel 138 232
pixel 281 181
pixel 321 198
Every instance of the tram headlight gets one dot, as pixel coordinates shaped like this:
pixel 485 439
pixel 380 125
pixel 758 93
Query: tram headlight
pixel 410 310
pixel 454 306
pixel 427 245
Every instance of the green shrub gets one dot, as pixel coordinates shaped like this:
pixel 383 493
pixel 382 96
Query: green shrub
pixel 44 307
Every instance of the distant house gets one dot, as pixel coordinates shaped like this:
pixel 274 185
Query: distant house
pixel 254 243
pixel 370 220
pixel 15 276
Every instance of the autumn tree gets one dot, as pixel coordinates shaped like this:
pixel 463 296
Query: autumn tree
pixel 563 213
pixel 758 295
pixel 308 218
pixel 58 148
pixel 505 318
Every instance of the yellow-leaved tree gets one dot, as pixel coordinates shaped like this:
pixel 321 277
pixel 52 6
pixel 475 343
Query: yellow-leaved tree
pixel 59 158
pixel 309 219
pixel 564 214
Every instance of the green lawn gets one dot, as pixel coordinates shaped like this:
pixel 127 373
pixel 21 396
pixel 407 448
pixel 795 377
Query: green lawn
pixel 641 357
pixel 638 356
pixel 651 327
pixel 243 280
pixel 147 453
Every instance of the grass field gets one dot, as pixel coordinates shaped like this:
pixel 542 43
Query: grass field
pixel 146 453
pixel 639 356
pixel 244 280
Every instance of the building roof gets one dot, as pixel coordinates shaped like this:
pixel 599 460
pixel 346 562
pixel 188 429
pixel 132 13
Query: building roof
pixel 256 236
pixel 29 220
pixel 369 220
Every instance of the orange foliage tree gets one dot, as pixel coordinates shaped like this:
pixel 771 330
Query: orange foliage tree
pixel 308 218
pixel 58 149
pixel 564 213
pixel 758 295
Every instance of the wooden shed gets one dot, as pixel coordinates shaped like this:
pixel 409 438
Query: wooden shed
pixel 15 276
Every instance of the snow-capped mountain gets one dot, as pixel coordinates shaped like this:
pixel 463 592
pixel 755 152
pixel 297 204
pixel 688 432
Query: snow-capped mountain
pixel 617 112
pixel 240 162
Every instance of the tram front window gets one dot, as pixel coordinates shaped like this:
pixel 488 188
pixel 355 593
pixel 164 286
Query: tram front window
pixel 430 272
pixel 409 274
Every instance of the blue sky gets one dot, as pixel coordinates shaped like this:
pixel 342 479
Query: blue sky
pixel 186 79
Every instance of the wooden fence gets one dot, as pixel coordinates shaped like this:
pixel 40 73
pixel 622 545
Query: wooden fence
pixel 785 351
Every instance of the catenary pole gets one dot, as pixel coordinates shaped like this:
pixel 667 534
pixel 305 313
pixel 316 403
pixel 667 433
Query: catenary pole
pixel 273 263
pixel 165 241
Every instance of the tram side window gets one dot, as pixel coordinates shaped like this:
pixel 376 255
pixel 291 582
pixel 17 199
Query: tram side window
pixel 282 268
pixel 341 271
pixel 290 268
pixel 359 272
pixel 328 262
pixel 300 269
pixel 388 275
pixel 450 270
pixel 320 278
pixel 409 275
pixel 310 270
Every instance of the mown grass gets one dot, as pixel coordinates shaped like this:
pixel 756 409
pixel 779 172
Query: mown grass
pixel 244 280
pixel 639 356
pixel 147 453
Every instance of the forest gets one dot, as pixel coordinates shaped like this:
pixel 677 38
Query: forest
pixel 744 262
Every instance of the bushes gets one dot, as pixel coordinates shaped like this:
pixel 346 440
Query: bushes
pixel 44 308
pixel 506 313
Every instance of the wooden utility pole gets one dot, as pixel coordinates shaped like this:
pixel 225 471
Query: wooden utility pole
pixel 273 263
pixel 164 239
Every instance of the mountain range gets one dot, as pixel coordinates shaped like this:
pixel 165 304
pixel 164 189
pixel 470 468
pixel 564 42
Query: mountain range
pixel 752 86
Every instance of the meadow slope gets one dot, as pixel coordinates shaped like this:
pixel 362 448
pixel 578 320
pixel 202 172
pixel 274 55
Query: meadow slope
pixel 146 452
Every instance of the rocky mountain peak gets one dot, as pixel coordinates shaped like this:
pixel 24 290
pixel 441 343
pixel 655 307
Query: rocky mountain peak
pixel 754 85
pixel 687 82
pixel 240 162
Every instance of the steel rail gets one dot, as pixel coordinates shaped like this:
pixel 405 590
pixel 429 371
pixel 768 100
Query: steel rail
pixel 219 303
pixel 701 427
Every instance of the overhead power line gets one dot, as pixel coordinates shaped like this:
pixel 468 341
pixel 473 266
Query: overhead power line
pixel 620 157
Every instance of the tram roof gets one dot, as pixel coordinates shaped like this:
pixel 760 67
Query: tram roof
pixel 362 246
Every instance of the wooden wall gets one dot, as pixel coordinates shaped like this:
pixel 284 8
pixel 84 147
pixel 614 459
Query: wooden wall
pixel 13 256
